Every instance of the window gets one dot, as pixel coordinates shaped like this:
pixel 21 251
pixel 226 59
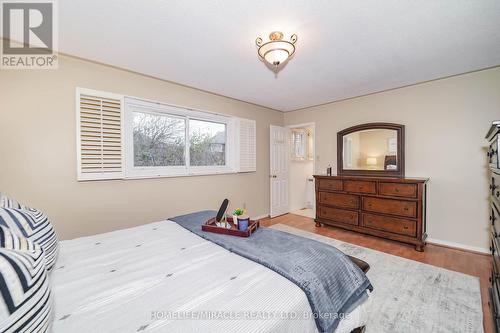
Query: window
pixel 159 140
pixel 348 151
pixel 170 141
pixel 301 144
pixel 299 140
pixel 207 143
pixel 124 137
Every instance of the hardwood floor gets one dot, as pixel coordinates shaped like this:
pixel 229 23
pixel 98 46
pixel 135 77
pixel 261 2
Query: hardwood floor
pixel 453 259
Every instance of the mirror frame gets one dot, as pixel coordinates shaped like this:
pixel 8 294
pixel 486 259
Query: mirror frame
pixel 400 158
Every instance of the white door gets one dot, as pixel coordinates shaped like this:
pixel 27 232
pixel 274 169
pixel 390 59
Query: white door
pixel 279 170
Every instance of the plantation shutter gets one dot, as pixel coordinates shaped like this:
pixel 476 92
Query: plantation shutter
pixel 247 145
pixel 100 135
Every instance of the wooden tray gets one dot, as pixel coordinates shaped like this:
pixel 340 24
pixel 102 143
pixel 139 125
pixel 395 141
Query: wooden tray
pixel 210 226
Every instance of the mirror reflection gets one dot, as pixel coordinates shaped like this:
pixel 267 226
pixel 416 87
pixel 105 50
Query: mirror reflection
pixel 371 149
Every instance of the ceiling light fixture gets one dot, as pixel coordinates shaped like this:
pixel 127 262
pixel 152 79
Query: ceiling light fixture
pixel 277 51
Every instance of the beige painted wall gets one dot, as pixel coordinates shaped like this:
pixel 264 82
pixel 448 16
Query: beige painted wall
pixel 446 121
pixel 38 152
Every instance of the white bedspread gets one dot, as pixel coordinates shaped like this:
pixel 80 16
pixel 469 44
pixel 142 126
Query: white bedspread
pixel 160 277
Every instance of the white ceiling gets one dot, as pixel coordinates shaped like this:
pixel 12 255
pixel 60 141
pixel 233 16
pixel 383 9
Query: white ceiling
pixel 345 48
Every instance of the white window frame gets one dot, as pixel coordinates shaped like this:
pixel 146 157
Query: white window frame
pixel 131 171
pixel 301 146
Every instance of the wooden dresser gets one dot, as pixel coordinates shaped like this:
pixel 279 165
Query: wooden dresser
pixel 392 208
pixel 493 138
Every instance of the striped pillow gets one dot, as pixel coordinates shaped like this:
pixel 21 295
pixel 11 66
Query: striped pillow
pixel 6 202
pixel 26 301
pixel 10 241
pixel 35 226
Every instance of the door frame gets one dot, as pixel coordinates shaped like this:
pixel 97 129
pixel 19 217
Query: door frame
pixel 302 125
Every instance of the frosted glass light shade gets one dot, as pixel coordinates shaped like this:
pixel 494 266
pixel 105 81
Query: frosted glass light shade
pixel 277 50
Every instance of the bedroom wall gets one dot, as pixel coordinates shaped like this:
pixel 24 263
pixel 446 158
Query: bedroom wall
pixel 38 152
pixel 446 121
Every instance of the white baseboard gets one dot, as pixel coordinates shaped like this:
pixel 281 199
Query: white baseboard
pixel 457 245
pixel 263 216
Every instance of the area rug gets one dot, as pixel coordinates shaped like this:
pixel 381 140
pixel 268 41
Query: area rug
pixel 410 296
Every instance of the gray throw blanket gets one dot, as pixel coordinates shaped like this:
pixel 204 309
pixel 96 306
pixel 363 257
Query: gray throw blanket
pixel 333 284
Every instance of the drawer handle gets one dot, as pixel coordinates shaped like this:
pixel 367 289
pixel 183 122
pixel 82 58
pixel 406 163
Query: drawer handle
pixel 498 194
pixel 406 208
pixel 494 276
pixel 405 227
pixel 396 190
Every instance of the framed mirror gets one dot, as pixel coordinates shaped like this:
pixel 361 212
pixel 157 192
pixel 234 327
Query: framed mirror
pixel 374 149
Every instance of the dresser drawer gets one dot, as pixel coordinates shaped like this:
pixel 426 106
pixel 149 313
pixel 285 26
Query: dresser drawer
pixel 495 281
pixel 493 153
pixel 494 271
pixel 390 206
pixel 330 184
pixel 495 215
pixel 495 186
pixel 339 200
pixel 339 215
pixel 391 224
pixel 494 304
pixel 398 190
pixel 495 253
pixel 360 186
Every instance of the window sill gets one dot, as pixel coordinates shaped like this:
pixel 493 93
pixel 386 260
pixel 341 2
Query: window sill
pixel 190 174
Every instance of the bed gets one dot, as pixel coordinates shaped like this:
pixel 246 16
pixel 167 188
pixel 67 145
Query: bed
pixel 160 277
